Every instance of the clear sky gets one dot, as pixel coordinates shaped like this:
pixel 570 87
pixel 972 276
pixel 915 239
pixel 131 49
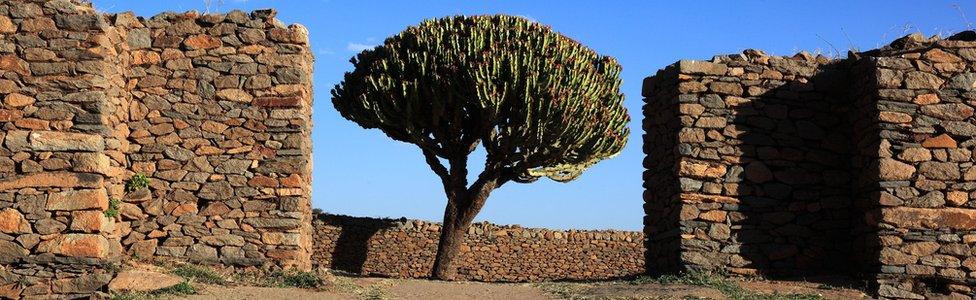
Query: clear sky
pixel 364 173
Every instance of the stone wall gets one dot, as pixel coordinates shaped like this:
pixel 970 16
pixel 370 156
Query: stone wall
pixel 406 249
pixel 760 174
pixel 798 166
pixel 214 109
pixel 923 200
pixel 220 121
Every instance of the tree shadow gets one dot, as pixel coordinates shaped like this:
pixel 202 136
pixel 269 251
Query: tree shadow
pixel 662 203
pixel 795 198
pixel 796 212
pixel 352 246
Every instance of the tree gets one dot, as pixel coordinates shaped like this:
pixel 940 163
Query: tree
pixel 540 103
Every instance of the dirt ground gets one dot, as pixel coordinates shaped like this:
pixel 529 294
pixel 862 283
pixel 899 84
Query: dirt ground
pixel 342 287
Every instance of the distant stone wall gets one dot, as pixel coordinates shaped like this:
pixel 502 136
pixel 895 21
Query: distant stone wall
pixel 406 249
pixel 214 109
pixel 797 166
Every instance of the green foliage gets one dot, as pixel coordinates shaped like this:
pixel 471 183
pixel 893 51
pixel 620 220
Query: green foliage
pixel 541 104
pixel 113 208
pixel 198 274
pixel 137 181
pixel 181 289
pixel 305 280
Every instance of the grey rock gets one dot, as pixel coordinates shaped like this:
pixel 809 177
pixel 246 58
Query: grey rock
pixel 139 38
pixel 966 82
pixel 220 190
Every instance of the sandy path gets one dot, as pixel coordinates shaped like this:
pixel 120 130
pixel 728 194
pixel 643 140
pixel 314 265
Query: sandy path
pixel 380 288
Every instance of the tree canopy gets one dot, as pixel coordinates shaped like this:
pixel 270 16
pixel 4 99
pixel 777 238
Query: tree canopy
pixel 541 104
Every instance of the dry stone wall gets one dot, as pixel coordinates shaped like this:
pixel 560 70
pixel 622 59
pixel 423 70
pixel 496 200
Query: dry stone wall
pixel 797 166
pixel 923 198
pixel 760 179
pixel 220 122
pixel 214 109
pixel 406 249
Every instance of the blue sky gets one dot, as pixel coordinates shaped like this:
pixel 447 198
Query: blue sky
pixel 363 173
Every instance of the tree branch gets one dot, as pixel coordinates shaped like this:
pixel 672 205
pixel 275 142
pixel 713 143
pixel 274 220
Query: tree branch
pixel 437 167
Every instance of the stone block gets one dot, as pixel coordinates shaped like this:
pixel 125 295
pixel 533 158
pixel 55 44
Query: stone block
pixel 78 200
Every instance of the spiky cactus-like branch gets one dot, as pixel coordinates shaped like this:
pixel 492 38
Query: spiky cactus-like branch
pixel 541 104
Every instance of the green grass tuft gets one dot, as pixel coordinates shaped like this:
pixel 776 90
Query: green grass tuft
pixel 113 208
pixel 198 274
pixel 305 280
pixel 136 182
pixel 181 289
pixel 719 282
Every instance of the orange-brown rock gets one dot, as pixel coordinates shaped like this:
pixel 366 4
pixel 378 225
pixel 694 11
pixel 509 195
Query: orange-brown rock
pixel 277 101
pixel 6 25
pixel 77 245
pixel 17 100
pixel 90 221
pixel 293 180
pixel 702 198
pixel 890 169
pixel 941 56
pixel 142 281
pixel 202 41
pixel 262 181
pixel 183 209
pixel 12 221
pixel 7 115
pixel 12 63
pixel 78 200
pixel 701 170
pixel 930 218
pixel 713 216
pixel 940 141
pixel 53 179
pixel 145 58
pixel 926 99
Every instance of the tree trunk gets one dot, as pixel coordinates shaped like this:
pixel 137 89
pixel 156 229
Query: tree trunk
pixel 460 212
pixel 452 235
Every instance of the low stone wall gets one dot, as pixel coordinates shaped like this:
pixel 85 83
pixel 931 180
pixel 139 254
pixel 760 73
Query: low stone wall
pixel 406 249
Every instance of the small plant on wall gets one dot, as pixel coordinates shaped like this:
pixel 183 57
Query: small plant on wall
pixel 136 182
pixel 113 208
pixel 540 103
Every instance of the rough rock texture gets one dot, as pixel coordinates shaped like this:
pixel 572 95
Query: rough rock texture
pixel 406 249
pixel 142 281
pixel 756 176
pixel 90 99
pixel 795 166
pixel 219 118
pixel 923 224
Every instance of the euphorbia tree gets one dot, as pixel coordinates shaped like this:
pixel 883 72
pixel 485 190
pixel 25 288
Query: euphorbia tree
pixel 540 103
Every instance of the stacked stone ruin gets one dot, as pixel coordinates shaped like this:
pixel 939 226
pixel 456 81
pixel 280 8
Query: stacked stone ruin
pixel 214 109
pixel 803 165
pixel 756 164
